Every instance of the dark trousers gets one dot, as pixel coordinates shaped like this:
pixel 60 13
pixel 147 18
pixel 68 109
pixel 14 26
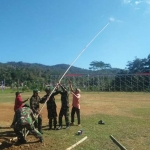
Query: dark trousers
pixel 52 121
pixel 64 112
pixel 73 111
pixel 52 116
pixel 39 124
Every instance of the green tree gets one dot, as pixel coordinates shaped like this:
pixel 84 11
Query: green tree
pixel 98 65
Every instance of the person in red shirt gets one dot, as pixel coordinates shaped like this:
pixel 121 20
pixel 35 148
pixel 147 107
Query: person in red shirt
pixel 75 104
pixel 19 101
pixel 18 104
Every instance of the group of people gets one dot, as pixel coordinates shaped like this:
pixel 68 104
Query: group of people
pixel 31 118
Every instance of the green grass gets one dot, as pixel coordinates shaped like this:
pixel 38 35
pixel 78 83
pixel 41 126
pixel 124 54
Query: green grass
pixel 126 117
pixel 126 130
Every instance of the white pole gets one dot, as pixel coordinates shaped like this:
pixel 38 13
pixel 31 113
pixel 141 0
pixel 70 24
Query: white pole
pixel 85 49
pixel 71 65
pixel 75 61
pixel 74 145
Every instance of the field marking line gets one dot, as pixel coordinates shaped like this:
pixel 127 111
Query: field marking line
pixel 69 148
pixel 119 144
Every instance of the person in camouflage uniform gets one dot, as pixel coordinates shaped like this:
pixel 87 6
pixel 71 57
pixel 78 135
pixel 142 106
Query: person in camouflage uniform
pixel 35 101
pixel 51 107
pixel 24 118
pixel 64 111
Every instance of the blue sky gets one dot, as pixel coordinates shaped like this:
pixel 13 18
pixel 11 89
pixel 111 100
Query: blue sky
pixel 53 32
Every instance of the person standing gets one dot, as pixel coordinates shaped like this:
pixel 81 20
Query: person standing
pixel 24 118
pixel 64 111
pixel 51 107
pixel 75 104
pixel 19 101
pixel 18 104
pixel 35 101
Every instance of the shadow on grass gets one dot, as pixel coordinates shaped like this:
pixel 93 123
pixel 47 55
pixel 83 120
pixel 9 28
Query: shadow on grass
pixel 5 138
pixel 5 144
pixel 7 134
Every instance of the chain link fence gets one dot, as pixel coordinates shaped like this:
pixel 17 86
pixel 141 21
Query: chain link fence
pixel 92 82
pixel 107 82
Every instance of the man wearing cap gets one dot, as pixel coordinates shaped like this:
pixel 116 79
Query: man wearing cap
pixel 51 107
pixel 35 101
pixel 64 111
pixel 24 118
pixel 75 104
pixel 18 104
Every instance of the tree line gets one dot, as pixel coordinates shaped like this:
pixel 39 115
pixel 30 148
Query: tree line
pixel 33 75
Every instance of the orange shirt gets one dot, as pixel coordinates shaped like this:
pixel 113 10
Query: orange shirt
pixel 76 100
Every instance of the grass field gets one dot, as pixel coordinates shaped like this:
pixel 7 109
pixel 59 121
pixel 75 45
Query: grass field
pixel 126 117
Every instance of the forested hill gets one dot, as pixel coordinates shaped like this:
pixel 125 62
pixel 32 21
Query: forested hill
pixel 55 69
pixel 22 71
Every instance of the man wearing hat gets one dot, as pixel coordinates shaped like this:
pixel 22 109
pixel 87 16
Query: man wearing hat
pixel 64 111
pixel 24 118
pixel 35 101
pixel 51 107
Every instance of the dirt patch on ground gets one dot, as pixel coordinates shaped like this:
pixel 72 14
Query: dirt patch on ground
pixel 89 105
pixel 6 133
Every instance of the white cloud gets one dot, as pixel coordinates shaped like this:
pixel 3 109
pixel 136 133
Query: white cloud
pixel 137 2
pixel 148 2
pixel 126 1
pixel 139 5
pixel 112 19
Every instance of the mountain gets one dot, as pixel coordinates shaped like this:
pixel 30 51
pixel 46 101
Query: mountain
pixel 21 71
pixel 55 69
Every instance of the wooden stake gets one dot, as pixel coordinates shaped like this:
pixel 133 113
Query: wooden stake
pixel 77 143
pixel 119 144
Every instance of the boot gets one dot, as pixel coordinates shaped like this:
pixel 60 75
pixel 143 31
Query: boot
pixel 21 140
pixel 41 140
pixel 55 123
pixel 50 124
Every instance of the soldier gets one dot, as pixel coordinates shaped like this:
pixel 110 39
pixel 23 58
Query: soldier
pixel 24 118
pixel 51 107
pixel 35 100
pixel 64 111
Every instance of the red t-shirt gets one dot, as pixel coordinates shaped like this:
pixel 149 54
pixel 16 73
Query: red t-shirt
pixel 18 102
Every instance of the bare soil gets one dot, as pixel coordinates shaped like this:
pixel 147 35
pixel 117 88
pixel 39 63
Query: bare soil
pixel 90 104
pixel 6 133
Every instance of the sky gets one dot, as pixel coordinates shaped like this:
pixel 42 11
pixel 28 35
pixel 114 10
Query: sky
pixel 51 32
